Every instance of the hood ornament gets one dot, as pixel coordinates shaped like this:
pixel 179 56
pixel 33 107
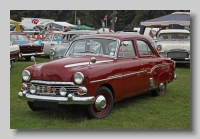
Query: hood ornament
pixel 33 59
pixel 92 60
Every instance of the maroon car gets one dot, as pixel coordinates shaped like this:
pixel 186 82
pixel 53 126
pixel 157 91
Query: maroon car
pixel 27 49
pixel 97 71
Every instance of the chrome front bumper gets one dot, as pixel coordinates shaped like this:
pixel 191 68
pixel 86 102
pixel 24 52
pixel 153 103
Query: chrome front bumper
pixel 32 54
pixel 70 99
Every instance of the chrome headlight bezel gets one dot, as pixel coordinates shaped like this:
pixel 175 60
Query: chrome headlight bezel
pixel 52 52
pixel 78 78
pixel 26 75
pixel 159 47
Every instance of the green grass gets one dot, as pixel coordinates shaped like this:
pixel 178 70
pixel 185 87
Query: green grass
pixel 144 112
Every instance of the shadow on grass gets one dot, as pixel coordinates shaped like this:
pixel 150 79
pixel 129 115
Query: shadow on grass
pixel 76 113
pixel 183 65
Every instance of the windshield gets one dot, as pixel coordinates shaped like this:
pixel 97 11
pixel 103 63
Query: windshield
pixel 52 37
pixel 174 36
pixel 93 46
pixel 17 37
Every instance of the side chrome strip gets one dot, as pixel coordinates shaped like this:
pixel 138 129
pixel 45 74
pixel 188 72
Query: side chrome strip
pixel 156 66
pixel 118 76
pixel 86 63
pixel 52 82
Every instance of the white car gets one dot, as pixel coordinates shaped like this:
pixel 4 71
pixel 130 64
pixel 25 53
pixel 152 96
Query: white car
pixel 174 44
pixel 51 39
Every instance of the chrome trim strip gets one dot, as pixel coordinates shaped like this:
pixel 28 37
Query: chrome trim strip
pixel 70 99
pixel 118 76
pixel 52 82
pixel 155 67
pixel 86 63
pixel 30 54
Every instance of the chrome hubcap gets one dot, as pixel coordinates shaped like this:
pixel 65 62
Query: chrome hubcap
pixel 100 103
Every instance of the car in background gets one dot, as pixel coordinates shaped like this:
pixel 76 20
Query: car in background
pixel 14 53
pixel 58 50
pixel 27 48
pixel 51 39
pixel 97 71
pixel 174 44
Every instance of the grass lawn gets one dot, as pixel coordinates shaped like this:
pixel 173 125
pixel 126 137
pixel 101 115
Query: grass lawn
pixel 144 112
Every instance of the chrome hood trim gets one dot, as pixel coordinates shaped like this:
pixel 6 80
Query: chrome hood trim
pixel 86 63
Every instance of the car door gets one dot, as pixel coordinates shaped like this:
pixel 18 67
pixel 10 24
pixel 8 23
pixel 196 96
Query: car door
pixel 132 67
pixel 148 58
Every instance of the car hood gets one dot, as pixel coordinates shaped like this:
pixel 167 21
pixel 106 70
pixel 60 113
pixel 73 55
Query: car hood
pixel 169 45
pixel 63 69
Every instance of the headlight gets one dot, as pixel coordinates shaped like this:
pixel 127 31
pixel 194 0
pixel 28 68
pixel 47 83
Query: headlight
pixel 159 47
pixel 26 75
pixel 78 78
pixel 52 52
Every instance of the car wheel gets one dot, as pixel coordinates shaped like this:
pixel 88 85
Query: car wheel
pixel 28 58
pixel 157 91
pixel 103 104
pixel 30 104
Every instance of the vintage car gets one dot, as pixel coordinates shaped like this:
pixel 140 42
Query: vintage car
pixel 174 44
pixel 14 53
pixel 27 48
pixel 58 50
pixel 97 71
pixel 51 39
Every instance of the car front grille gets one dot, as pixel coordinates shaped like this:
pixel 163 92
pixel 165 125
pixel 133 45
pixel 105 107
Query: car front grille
pixel 52 89
pixel 177 55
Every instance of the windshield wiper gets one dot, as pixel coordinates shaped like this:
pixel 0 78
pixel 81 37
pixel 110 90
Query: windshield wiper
pixel 86 52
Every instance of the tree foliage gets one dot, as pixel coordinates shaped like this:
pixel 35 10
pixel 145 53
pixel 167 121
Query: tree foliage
pixel 126 19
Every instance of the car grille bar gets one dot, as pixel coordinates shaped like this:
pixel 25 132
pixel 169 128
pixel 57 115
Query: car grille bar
pixel 177 55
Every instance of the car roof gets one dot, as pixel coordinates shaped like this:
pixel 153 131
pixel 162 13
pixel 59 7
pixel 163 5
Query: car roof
pixel 120 36
pixel 13 32
pixel 174 31
pixel 82 31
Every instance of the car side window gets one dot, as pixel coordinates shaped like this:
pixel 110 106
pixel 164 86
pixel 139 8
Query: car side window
pixel 13 37
pixel 126 49
pixel 143 48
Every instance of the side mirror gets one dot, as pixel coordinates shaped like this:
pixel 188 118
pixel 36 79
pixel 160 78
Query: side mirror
pixel 33 59
pixel 92 60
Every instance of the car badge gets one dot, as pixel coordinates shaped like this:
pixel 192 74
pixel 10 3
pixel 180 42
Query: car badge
pixel 48 89
pixel 53 90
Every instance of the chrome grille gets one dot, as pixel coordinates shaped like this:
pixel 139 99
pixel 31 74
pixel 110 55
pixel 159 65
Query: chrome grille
pixel 52 88
pixel 177 55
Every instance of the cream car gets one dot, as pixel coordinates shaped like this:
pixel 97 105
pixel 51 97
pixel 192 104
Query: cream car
pixel 174 44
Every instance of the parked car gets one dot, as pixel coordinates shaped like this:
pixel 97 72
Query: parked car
pixel 27 49
pixel 174 44
pixel 97 71
pixel 14 53
pixel 51 39
pixel 57 51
